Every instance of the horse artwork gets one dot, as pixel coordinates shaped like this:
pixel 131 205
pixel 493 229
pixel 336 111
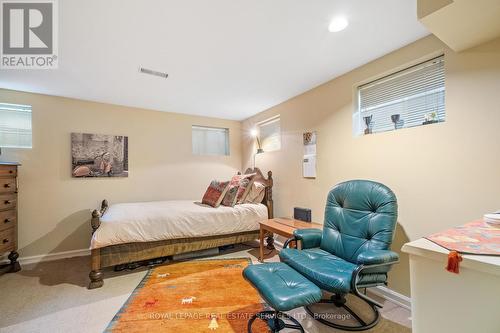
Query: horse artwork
pixel 97 155
pixel 164 275
pixel 150 303
pixel 188 300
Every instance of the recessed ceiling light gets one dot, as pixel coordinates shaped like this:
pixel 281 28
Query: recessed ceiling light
pixel 337 24
pixel 152 72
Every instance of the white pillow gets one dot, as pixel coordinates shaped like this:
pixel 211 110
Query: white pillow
pixel 256 193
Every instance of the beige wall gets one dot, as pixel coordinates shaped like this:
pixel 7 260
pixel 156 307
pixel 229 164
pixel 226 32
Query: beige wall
pixel 54 209
pixel 443 174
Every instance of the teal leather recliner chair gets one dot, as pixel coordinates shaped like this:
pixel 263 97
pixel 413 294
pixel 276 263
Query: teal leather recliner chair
pixel 351 252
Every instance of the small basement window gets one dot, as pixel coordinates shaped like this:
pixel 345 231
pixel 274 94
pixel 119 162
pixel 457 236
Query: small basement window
pixel 269 132
pixel 210 140
pixel 15 126
pixel 411 97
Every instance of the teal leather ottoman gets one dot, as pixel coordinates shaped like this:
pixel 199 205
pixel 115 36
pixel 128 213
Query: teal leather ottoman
pixel 283 289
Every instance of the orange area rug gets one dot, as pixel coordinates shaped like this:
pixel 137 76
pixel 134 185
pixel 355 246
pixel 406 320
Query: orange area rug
pixel 191 296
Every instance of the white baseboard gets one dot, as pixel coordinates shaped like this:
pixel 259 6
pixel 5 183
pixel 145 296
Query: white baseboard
pixel 384 292
pixel 392 296
pixel 381 291
pixel 52 256
pixel 279 243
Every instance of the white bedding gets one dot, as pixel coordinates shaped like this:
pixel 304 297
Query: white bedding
pixel 161 220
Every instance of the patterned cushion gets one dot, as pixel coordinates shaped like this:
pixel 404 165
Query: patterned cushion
pixel 256 193
pixel 215 193
pixel 231 196
pixel 244 182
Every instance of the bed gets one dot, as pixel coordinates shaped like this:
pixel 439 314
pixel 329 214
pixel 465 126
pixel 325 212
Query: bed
pixel 131 232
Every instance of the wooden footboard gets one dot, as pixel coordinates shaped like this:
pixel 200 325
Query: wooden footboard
pixel 132 252
pixel 95 275
pixel 95 222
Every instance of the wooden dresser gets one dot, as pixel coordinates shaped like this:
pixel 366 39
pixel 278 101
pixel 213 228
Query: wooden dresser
pixel 8 215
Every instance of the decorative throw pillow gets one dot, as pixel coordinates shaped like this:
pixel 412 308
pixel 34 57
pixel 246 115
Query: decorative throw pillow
pixel 215 193
pixel 256 194
pixel 244 189
pixel 244 182
pixel 231 196
pixel 235 180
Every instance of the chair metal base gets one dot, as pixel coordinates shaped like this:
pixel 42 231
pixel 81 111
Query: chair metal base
pixel 340 302
pixel 275 320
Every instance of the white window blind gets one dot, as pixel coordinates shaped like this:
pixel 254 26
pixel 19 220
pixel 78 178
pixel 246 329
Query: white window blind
pixel 411 97
pixel 210 140
pixel 15 126
pixel 270 134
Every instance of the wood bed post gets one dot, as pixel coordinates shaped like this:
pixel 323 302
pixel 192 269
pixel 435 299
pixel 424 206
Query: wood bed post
pixel 270 208
pixel 269 195
pixel 268 199
pixel 95 275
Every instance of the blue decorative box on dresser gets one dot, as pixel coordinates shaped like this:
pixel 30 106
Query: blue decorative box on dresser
pixel 8 215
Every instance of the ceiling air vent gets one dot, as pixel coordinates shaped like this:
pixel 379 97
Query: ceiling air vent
pixel 152 72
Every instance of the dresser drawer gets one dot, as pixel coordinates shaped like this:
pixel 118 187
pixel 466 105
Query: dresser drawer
pixel 7 240
pixel 8 185
pixel 8 171
pixel 8 201
pixel 8 219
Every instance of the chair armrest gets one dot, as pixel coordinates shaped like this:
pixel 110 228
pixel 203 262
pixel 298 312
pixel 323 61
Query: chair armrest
pixel 377 257
pixel 309 237
pixel 368 260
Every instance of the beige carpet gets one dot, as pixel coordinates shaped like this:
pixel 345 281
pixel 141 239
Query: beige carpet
pixel 52 297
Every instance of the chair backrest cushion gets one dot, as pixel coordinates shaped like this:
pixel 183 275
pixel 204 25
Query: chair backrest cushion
pixel 360 215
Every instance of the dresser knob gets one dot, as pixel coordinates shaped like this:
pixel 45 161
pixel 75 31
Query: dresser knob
pixel 11 171
pixel 7 185
pixel 7 202
pixel 7 221
pixel 5 240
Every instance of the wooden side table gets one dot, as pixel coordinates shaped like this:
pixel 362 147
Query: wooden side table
pixel 283 227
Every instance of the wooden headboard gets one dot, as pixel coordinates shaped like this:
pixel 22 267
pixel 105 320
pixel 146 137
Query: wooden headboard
pixel 268 182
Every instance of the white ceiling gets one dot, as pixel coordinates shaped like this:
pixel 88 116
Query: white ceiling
pixel 225 58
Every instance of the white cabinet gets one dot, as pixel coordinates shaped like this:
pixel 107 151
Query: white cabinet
pixel 445 302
